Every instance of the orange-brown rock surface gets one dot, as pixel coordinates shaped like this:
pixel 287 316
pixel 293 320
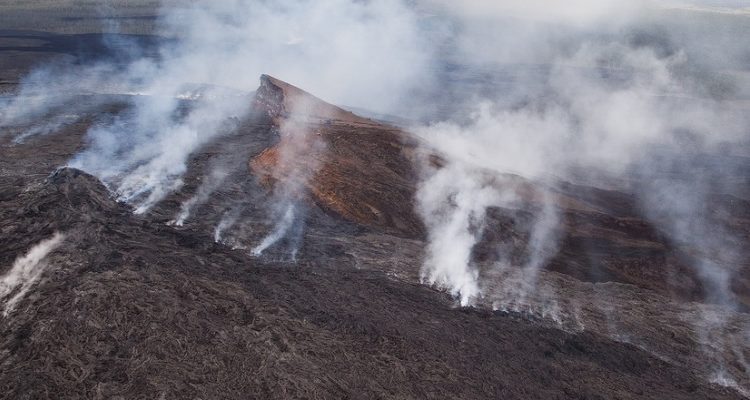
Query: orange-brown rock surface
pixel 358 168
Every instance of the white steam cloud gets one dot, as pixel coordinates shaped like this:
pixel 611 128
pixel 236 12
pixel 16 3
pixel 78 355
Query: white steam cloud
pixel 143 154
pixel 25 272
pixel 279 231
pixel 184 97
pixel 605 104
pixel 297 160
pixel 227 221
pixel 613 88
pixel 576 91
pixel 454 213
pixel 209 185
pixel 643 99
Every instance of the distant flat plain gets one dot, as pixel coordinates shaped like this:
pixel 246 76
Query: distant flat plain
pixel 35 32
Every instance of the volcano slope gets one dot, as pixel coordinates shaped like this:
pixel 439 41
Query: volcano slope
pixel 129 306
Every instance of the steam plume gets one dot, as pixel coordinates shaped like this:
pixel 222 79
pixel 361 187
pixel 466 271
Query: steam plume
pixel 298 158
pixel 646 98
pixel 211 182
pixel 616 89
pixel 25 272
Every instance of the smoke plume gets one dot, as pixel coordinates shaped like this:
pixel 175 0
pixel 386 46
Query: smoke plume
pixel 585 92
pixel 209 185
pixel 607 98
pixel 298 158
pixel 25 272
pixel 182 95
pixel 514 98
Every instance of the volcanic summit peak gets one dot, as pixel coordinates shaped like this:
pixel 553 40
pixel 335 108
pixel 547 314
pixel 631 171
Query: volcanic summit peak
pixel 359 169
pixel 282 100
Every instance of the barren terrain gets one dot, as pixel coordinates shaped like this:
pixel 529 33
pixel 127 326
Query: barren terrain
pixel 138 306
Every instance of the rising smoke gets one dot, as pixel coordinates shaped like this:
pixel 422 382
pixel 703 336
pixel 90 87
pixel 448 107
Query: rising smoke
pixel 607 99
pixel 210 184
pixel 202 74
pixel 297 159
pixel 607 96
pixel 588 84
pixel 25 272
pixel 612 88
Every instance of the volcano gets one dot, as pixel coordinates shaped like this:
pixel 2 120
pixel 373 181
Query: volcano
pixel 527 202
pixel 365 171
pixel 130 306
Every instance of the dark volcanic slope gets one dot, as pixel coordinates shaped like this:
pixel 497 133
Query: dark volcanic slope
pixel 135 309
pixel 130 306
